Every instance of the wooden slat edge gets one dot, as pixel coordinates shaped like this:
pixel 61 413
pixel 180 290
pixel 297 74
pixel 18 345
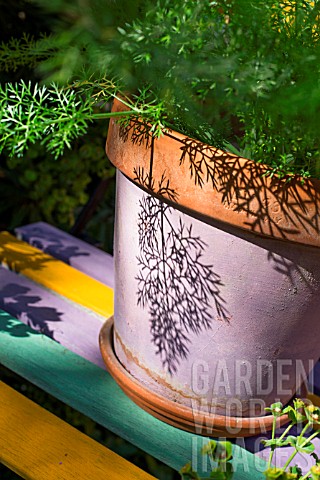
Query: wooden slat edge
pixel 315 399
pixel 55 275
pixel 69 249
pixel 38 445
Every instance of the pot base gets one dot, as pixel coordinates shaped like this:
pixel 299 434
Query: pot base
pixel 180 416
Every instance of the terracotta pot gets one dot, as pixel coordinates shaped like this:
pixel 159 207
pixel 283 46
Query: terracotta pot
pixel 217 290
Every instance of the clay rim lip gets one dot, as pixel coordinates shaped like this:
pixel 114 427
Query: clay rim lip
pixel 299 201
pixel 167 409
pixel 260 167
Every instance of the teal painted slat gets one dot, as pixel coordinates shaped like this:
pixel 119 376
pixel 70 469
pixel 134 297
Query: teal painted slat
pixel 92 391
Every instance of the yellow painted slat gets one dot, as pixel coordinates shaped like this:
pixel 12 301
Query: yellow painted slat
pixel 37 445
pixel 55 275
pixel 315 399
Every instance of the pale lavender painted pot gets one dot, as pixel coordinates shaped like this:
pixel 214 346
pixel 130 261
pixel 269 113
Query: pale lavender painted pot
pixel 208 312
pixel 217 289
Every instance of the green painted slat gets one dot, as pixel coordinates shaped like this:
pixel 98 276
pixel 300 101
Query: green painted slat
pixel 93 392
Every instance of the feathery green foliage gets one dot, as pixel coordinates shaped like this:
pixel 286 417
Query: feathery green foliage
pixel 24 52
pixel 56 116
pixel 238 74
pixel 33 113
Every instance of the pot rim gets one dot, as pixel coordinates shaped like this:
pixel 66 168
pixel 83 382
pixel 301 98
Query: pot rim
pixel 209 182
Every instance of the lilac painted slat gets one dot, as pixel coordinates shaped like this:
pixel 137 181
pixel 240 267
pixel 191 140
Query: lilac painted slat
pixel 67 323
pixel 71 250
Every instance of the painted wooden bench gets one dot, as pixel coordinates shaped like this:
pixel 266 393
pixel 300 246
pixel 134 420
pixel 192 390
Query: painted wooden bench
pixel 55 294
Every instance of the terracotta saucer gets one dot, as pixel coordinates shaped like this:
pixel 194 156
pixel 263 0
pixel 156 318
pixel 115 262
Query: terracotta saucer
pixel 172 413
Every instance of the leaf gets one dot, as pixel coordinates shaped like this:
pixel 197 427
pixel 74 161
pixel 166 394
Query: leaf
pixel 299 444
pixel 218 475
pixel 294 415
pixel 223 452
pixel 307 448
pixel 218 451
pixel 229 471
pixel 291 440
pixel 276 442
pixel 315 472
pixel 298 403
pixel 274 474
pixel 313 414
pixel 301 418
pixel 296 470
pixel 187 473
pixel 209 448
pixel 275 409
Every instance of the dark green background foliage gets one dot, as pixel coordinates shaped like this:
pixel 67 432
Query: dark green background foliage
pixel 35 186
pixel 17 19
